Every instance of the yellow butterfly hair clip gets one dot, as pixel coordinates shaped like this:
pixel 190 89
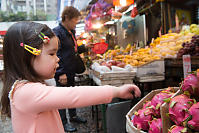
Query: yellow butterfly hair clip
pixel 30 49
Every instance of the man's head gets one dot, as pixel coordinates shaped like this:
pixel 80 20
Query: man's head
pixel 70 17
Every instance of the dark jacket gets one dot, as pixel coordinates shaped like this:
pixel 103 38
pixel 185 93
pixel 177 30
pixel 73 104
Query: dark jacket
pixel 66 52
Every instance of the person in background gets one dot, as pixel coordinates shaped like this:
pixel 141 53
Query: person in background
pixel 29 51
pixel 65 74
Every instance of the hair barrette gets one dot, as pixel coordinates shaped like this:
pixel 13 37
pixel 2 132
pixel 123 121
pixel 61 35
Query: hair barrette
pixel 45 39
pixel 30 49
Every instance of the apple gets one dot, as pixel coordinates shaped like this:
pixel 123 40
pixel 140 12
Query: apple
pixel 121 64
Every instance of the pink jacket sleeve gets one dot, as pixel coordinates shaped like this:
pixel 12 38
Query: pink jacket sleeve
pixel 38 97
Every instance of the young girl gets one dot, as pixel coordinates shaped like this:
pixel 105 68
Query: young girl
pixel 29 51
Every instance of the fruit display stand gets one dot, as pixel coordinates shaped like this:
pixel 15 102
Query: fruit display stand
pixel 130 128
pixel 174 69
pixel 116 78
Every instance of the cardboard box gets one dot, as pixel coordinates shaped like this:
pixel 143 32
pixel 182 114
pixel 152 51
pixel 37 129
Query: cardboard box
pixel 130 128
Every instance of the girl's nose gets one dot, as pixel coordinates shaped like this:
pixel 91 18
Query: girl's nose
pixel 58 59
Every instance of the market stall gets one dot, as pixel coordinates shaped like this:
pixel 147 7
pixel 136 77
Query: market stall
pixel 153 44
pixel 152 38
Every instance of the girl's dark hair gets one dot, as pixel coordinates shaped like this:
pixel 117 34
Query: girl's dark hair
pixel 70 13
pixel 17 60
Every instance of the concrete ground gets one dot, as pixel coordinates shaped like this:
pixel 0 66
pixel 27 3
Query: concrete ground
pixel 5 126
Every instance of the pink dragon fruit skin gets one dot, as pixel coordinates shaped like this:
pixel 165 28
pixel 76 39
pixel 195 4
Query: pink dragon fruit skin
pixel 155 126
pixel 142 117
pixel 178 129
pixel 191 84
pixel 178 108
pixel 197 73
pixel 194 113
pixel 169 89
pixel 147 104
pixel 158 100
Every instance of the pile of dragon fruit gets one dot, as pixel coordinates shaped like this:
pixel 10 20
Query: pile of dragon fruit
pixel 148 118
pixel 183 109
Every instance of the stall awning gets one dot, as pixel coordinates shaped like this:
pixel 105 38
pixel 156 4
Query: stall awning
pixel 3 32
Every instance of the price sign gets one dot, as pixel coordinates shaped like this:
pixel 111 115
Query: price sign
pixel 186 65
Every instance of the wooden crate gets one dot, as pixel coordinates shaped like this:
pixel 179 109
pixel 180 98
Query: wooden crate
pixel 130 128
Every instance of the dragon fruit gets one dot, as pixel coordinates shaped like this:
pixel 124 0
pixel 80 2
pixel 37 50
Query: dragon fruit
pixel 197 73
pixel 147 104
pixel 178 108
pixel 142 117
pixel 177 129
pixel 155 126
pixel 169 89
pixel 190 84
pixel 158 100
pixel 194 116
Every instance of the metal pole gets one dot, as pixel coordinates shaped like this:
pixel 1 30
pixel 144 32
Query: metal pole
pixel 162 16
pixel 169 16
pixel 69 2
pixel 28 9
pixel 45 7
pixel 103 109
pixel 34 8
pixel 4 5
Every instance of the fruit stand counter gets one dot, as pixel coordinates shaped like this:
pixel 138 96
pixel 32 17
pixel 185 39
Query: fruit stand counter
pixel 117 108
pixel 174 70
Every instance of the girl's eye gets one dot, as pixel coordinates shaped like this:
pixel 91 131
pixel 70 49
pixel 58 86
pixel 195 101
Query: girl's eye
pixel 52 54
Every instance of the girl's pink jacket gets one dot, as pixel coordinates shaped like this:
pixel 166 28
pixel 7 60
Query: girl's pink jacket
pixel 34 106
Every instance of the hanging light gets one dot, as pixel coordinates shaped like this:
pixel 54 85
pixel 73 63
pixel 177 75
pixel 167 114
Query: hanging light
pixel 97 25
pixel 122 2
pixel 84 41
pixel 85 35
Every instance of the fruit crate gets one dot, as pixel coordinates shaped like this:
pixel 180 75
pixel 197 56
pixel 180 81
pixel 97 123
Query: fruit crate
pixel 164 110
pixel 130 128
pixel 151 69
pixel 112 78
